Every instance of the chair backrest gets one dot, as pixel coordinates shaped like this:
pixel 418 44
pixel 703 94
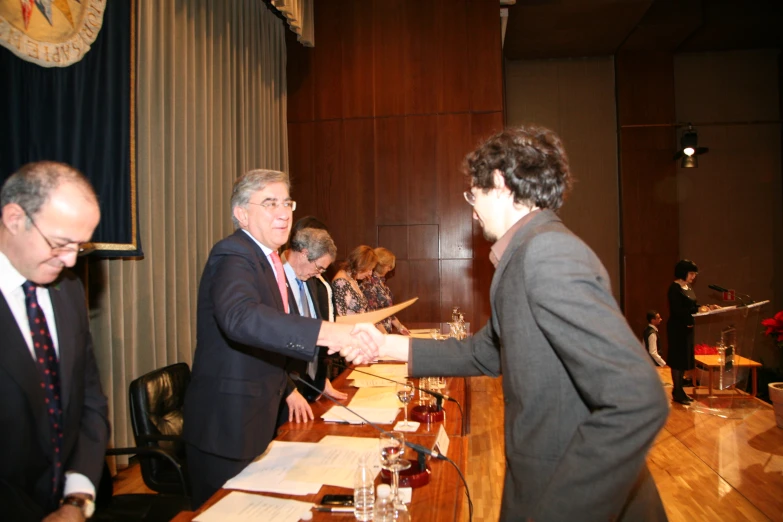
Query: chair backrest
pixel 156 401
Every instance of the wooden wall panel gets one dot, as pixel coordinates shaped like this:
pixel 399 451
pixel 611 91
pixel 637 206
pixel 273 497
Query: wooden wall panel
pixel 422 78
pixel 484 56
pixel 645 87
pixel 395 238
pixel 420 166
pixel 299 79
pixel 454 138
pixel 648 189
pixel 456 289
pixel 388 52
pixel 304 186
pixel 327 62
pixel 357 55
pixel 423 242
pixel 454 51
pixel 358 179
pixel 391 180
pixel 382 113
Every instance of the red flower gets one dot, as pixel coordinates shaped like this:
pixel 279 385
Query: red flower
pixel 774 327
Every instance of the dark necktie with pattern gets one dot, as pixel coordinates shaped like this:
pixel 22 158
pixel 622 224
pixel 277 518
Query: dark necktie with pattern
pixel 312 366
pixel 49 368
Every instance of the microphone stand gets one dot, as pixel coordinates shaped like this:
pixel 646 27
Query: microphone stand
pixel 439 397
pixel 420 450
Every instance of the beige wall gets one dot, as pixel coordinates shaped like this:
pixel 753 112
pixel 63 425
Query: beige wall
pixel 576 98
pixel 731 212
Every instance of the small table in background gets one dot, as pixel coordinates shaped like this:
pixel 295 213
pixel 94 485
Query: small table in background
pixel 712 362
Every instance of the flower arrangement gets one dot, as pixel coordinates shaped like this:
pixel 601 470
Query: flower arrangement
pixel 774 328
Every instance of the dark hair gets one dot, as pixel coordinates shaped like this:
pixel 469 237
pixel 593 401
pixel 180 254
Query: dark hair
pixel 651 315
pixel 307 222
pixel 682 268
pixel 30 186
pixel 533 163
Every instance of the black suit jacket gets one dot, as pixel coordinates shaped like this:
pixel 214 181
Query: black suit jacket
pixel 26 451
pixel 244 341
pixel 321 304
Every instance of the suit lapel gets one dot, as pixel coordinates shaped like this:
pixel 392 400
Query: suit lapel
pixel 65 341
pixel 16 359
pixel 519 238
pixel 267 273
pixel 312 287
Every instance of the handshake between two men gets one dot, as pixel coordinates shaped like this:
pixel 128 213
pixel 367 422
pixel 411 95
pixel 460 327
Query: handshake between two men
pixel 362 343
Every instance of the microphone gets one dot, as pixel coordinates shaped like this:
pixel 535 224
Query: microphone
pixel 736 294
pixel 440 397
pixel 421 450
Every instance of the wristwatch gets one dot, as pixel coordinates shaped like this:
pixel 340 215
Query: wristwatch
pixel 85 504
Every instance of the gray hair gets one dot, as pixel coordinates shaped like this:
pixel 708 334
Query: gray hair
pixel 30 186
pixel 318 243
pixel 250 183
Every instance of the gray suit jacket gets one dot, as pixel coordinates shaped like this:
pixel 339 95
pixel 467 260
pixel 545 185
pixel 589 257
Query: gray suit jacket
pixel 26 452
pixel 582 402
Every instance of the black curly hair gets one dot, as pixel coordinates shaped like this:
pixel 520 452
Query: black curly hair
pixel 533 163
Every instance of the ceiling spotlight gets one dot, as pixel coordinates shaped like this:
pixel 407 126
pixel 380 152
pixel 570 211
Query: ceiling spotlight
pixel 689 148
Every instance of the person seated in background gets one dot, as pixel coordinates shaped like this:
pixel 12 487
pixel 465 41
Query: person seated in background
pixel 310 252
pixel 378 294
pixel 348 296
pixel 650 337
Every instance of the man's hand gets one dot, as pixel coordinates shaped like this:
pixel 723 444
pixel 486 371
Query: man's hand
pixel 65 514
pixel 298 408
pixel 331 392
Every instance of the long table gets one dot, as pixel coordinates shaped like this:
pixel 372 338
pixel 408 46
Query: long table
pixel 442 500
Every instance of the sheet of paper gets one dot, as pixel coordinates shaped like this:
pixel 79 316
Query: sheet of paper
pixel 375 316
pixel 374 415
pixel 378 397
pixel 369 374
pixel 269 471
pixel 247 507
pixel 334 461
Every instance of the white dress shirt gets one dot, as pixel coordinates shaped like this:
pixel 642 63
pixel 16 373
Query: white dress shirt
pixel 11 282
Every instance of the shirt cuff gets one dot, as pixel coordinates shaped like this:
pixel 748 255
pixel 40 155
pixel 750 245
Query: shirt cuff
pixel 78 483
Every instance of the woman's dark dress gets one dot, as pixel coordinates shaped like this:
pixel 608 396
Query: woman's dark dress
pixel 679 327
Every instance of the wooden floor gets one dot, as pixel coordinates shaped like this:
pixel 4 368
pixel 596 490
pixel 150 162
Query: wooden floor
pixel 707 468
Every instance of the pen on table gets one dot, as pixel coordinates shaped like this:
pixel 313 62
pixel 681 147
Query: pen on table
pixel 334 509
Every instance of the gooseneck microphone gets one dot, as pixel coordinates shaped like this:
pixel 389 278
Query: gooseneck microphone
pixel 418 448
pixel 736 294
pixel 439 397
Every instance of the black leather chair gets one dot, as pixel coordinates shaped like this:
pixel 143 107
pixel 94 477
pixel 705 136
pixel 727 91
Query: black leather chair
pixel 156 401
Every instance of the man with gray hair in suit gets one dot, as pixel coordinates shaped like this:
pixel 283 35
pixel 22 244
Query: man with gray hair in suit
pixel 582 403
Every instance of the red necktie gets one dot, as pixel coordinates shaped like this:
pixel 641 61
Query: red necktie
pixel 280 275
pixel 47 364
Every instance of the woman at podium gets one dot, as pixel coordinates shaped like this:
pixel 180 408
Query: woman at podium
pixel 679 326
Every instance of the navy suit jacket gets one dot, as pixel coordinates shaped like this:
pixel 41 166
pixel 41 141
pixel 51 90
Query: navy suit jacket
pixel 243 344
pixel 26 451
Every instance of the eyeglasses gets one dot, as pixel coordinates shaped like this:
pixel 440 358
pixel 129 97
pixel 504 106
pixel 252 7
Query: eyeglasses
pixel 273 204
pixel 320 269
pixel 470 197
pixel 58 250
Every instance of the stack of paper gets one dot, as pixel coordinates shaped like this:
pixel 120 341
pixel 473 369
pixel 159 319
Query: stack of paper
pixel 374 415
pixel 246 507
pixel 270 471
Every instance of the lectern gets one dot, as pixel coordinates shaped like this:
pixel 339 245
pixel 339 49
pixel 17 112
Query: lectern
pixel 727 335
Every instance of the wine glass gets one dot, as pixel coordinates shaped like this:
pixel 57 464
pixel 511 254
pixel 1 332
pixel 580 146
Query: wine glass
pixel 405 395
pixel 392 446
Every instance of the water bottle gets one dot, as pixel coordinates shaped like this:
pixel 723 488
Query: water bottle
pixel 363 492
pixel 384 509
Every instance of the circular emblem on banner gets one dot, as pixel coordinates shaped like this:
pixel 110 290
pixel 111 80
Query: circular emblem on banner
pixel 51 33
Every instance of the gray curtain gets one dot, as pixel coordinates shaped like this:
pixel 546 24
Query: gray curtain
pixel 211 104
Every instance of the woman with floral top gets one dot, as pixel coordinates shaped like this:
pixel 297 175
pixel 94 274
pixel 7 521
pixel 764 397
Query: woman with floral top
pixel 348 296
pixel 378 294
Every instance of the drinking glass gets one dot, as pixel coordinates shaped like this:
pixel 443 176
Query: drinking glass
pixel 405 394
pixel 392 446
